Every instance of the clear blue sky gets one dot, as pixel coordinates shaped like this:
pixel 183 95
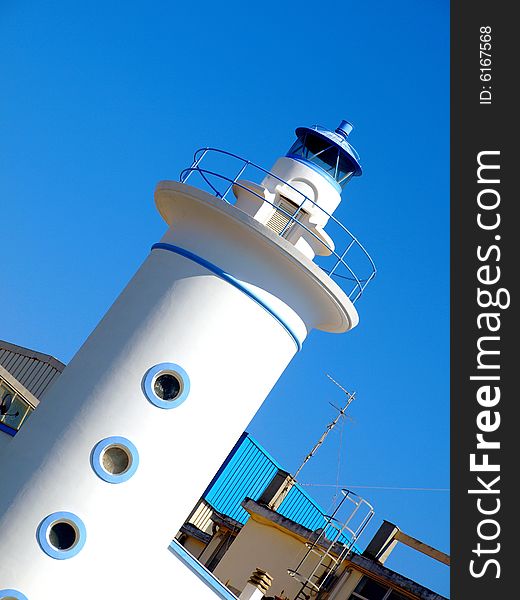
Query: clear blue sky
pixel 100 100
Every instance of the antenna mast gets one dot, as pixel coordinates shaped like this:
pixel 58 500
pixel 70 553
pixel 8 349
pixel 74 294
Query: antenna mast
pixel 330 426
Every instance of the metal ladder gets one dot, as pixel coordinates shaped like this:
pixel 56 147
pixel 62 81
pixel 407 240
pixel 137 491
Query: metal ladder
pixel 331 546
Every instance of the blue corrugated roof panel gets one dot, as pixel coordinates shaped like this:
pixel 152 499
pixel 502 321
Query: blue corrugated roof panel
pixel 300 507
pixel 245 474
pixel 247 471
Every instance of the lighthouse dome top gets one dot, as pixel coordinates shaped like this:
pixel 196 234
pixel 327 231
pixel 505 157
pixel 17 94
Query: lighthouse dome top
pixel 327 150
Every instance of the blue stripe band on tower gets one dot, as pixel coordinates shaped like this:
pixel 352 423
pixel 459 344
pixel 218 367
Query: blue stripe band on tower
pixel 230 279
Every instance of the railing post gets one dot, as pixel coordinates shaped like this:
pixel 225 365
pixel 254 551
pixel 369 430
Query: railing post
pixel 340 259
pixel 244 166
pixel 194 166
pixel 292 219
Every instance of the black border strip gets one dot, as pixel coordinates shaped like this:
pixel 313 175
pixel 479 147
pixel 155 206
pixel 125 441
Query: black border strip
pixel 483 124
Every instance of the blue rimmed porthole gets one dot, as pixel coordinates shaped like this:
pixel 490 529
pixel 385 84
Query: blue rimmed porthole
pixel 12 595
pixel 166 385
pixel 61 535
pixel 115 459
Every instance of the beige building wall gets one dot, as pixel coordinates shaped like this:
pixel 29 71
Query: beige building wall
pixel 263 545
pixel 193 546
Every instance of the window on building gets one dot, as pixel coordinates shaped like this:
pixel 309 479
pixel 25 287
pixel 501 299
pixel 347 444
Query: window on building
pixel 61 535
pixel 167 386
pixel 115 459
pixel 13 408
pixel 368 589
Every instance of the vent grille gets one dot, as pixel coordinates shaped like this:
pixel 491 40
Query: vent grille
pixel 279 219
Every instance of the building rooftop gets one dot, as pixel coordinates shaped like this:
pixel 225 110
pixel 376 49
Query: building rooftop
pixel 365 564
pixel 246 473
pixel 35 371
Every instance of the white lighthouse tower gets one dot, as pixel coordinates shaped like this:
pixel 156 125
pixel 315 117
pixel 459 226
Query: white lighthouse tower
pixel 95 485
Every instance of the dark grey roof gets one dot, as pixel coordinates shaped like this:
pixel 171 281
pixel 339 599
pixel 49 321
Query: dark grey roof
pixel 34 370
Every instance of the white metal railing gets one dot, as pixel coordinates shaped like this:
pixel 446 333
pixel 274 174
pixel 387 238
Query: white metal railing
pixel 352 276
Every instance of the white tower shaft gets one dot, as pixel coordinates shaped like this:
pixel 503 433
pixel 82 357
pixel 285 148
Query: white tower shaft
pixel 226 302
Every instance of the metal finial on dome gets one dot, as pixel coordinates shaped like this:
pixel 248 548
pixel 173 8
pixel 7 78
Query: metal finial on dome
pixel 344 128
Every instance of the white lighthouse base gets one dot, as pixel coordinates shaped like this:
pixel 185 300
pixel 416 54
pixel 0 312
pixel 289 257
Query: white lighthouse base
pixel 226 302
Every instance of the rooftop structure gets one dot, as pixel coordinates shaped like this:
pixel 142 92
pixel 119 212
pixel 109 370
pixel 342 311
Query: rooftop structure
pixel 240 524
pixel 25 376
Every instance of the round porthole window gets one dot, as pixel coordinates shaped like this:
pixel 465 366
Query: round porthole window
pixel 61 535
pixel 115 459
pixel 166 385
pixel 12 595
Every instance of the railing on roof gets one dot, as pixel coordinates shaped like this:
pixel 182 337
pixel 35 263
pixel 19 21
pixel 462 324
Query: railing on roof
pixel 213 178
